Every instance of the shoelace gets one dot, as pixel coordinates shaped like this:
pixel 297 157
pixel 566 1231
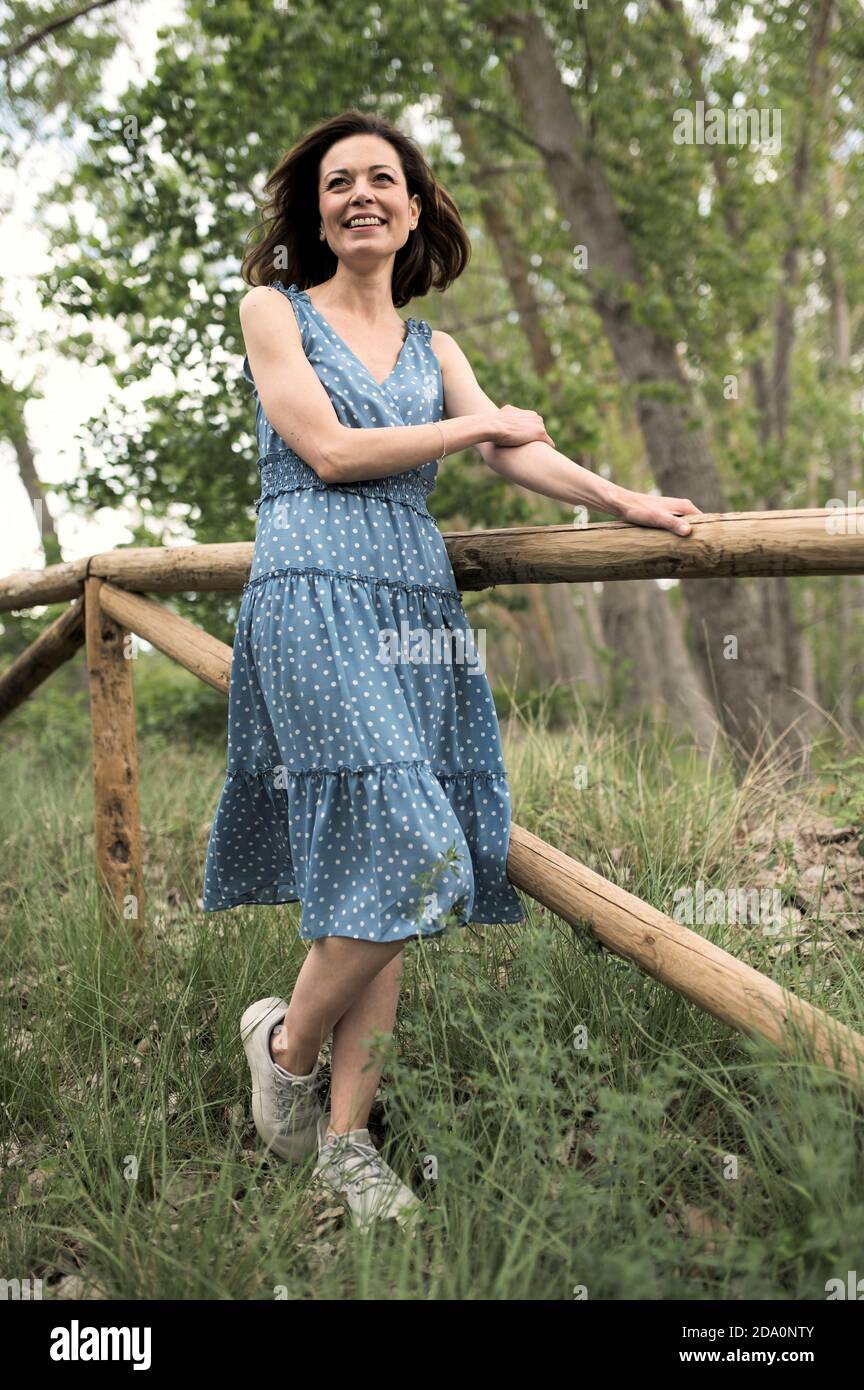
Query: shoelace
pixel 286 1099
pixel 364 1160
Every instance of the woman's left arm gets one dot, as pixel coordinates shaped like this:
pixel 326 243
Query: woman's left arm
pixel 540 468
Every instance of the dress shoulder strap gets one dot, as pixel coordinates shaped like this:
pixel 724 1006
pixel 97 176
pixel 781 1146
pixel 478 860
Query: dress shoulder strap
pixel 420 326
pixel 290 291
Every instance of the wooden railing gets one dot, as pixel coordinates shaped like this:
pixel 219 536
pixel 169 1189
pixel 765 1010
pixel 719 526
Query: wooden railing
pixel 109 601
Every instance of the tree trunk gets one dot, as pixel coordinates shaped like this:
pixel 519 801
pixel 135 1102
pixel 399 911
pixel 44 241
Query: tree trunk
pixel 784 637
pixel 680 456
pixel 788 650
pixel 850 597
pixel 17 435
pixel 571 657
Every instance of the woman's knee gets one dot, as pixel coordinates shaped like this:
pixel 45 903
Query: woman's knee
pixel 367 958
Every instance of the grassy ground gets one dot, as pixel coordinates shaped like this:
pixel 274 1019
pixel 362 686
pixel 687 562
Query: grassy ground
pixel 574 1127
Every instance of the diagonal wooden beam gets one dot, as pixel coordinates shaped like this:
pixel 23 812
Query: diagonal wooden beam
pixel 185 642
pixel 678 957
pixel 52 647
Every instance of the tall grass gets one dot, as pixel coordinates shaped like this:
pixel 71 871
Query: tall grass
pixel 573 1126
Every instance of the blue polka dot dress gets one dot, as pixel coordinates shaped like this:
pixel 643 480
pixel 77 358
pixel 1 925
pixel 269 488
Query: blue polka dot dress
pixel 365 775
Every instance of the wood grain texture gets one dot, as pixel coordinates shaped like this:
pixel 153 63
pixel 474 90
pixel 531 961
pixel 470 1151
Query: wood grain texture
pixel 808 541
pixel 52 647
pixel 184 642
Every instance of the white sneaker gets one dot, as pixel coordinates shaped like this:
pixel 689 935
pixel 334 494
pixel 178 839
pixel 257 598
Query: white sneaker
pixel 351 1168
pixel 285 1108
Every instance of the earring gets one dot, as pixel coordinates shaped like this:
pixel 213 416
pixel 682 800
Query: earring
pixel 321 233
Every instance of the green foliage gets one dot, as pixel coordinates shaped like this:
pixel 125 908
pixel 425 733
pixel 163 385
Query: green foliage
pixel 173 702
pixel 550 707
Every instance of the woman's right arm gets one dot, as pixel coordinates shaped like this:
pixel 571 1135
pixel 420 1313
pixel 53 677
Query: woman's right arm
pixel 300 410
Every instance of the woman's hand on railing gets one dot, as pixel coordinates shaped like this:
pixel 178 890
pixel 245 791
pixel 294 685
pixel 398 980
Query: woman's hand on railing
pixel 512 426
pixel 667 513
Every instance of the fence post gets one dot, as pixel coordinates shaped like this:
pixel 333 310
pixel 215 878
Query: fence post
pixel 115 760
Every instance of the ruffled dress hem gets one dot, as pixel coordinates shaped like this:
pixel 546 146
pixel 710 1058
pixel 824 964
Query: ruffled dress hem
pixel 284 893
pixel 282 806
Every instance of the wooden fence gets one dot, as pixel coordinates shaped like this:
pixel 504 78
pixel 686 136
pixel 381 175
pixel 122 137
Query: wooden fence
pixel 109 601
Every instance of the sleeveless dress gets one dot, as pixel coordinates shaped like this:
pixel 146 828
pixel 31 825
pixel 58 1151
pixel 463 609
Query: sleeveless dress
pixel 365 776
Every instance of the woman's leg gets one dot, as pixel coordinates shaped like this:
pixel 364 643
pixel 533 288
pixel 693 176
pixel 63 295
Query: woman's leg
pixel 335 973
pixel 352 1088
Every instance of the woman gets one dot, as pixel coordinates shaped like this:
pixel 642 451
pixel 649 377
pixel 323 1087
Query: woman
pixel 364 781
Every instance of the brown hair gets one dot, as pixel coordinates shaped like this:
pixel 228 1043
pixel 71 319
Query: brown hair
pixel 435 254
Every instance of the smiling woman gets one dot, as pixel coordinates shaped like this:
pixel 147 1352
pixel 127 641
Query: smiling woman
pixel 369 788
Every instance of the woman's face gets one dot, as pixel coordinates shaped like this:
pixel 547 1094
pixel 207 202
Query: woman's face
pixel 361 176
